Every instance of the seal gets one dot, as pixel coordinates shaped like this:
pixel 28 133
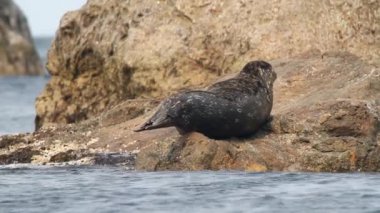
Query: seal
pixel 236 107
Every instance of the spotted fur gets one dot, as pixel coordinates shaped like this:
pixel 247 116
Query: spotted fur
pixel 232 108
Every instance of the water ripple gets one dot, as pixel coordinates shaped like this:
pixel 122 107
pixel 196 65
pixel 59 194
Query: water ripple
pixel 103 189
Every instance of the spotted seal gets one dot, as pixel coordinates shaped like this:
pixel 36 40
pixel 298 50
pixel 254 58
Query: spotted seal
pixel 232 108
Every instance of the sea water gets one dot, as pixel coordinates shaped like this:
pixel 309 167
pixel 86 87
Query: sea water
pixel 17 97
pixel 26 188
pixel 109 189
pixel 18 94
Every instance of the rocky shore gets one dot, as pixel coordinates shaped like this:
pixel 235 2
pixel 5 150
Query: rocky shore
pixel 112 62
pixel 322 121
pixel 18 55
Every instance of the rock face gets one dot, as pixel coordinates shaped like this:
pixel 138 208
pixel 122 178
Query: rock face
pixel 326 111
pixel 112 50
pixel 17 52
pixel 326 117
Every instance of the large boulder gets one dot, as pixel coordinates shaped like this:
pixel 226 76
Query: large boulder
pixel 18 55
pixel 326 117
pixel 112 50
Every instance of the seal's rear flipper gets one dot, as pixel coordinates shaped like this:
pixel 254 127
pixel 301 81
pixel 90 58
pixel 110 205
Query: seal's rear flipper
pixel 155 123
pixel 143 127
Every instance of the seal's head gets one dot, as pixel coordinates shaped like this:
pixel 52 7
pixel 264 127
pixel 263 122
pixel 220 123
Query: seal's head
pixel 260 70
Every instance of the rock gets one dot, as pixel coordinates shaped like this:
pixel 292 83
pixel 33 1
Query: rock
pixel 66 156
pixel 124 159
pixel 326 118
pixel 22 155
pixel 109 51
pixel 127 110
pixel 18 55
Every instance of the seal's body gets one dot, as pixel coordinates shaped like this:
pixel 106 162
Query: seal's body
pixel 232 108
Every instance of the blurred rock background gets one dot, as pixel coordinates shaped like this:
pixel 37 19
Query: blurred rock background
pixel 18 55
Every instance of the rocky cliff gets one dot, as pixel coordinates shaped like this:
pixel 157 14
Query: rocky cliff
pixel 112 50
pixel 17 52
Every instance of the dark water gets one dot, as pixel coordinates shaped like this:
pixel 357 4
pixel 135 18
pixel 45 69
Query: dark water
pixel 116 190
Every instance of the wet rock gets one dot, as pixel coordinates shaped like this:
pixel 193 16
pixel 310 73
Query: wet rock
pixel 22 155
pixel 7 140
pixel 18 55
pixel 69 155
pixel 115 159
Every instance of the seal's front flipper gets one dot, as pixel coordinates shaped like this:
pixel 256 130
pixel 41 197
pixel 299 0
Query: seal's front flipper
pixel 268 125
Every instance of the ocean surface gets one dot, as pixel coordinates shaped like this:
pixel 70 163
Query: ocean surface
pixel 108 189
pixel 26 188
pixel 18 94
